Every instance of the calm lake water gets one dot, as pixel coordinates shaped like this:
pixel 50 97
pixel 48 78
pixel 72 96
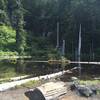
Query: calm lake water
pixel 36 69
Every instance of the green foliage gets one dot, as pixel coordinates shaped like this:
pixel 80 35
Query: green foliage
pixel 7 33
pixel 90 82
pixel 30 84
pixel 7 37
pixel 53 54
pixel 3 12
pixel 20 34
pixel 7 70
pixel 39 17
pixel 2 53
pixel 41 48
pixel 29 27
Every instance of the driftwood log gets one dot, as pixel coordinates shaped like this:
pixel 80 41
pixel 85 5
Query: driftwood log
pixel 48 91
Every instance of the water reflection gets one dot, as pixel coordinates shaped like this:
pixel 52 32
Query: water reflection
pixel 37 69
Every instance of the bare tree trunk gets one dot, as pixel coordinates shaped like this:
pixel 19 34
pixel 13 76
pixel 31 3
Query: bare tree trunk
pixel 63 48
pixel 79 51
pixel 57 46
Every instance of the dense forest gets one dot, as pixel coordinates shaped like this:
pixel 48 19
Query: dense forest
pixel 29 27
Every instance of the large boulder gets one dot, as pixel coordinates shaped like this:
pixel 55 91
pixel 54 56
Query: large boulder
pixel 84 90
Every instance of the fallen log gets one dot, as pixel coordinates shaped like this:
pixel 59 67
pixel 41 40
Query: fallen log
pixel 49 91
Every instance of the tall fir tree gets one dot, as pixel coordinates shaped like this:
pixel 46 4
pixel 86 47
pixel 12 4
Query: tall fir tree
pixel 3 12
pixel 20 33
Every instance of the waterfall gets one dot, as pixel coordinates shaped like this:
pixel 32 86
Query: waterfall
pixel 79 51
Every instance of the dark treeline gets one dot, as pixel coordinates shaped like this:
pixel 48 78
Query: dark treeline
pixel 35 26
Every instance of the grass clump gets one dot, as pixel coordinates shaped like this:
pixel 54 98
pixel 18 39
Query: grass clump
pixel 30 84
pixel 90 82
pixel 8 70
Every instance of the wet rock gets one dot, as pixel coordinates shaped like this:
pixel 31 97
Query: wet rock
pixel 84 90
pixel 94 89
pixel 72 87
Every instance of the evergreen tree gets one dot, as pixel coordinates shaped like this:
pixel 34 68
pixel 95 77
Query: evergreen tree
pixel 3 12
pixel 20 33
pixel 11 7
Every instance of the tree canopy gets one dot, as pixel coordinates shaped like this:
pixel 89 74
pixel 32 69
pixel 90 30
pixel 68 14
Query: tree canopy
pixel 33 25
